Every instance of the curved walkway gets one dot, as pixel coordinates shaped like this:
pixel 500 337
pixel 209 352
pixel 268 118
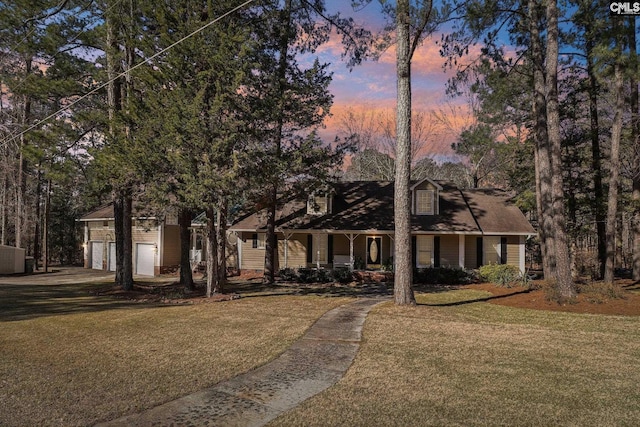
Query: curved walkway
pixel 312 364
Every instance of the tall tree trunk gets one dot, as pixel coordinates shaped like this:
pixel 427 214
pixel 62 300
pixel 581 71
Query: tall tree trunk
pixel 271 242
pixel 20 213
pixel 616 134
pixel 3 206
pixel 541 150
pixel 127 221
pixel 118 229
pixel 37 235
pixel 402 197
pixel 186 276
pixel 221 228
pixel 124 247
pixel 596 162
pixel 212 253
pixel 45 227
pixel 564 281
pixel 635 138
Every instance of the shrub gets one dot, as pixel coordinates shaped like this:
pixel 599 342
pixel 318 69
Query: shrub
pixel 342 275
pixel 502 275
pixel 314 275
pixel 440 276
pixel 288 275
pixel 600 292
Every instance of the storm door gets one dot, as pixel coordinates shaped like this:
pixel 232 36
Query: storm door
pixel 374 249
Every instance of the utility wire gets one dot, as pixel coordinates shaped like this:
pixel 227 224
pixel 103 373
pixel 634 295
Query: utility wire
pixel 124 73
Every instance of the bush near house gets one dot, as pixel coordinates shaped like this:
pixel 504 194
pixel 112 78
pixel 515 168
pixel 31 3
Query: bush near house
pixel 314 275
pixel 502 275
pixel 441 276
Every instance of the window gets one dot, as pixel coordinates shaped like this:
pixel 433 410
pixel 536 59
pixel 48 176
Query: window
pixel 425 202
pixel 258 240
pixel 320 245
pixel 318 205
pixel 424 251
pixel 492 249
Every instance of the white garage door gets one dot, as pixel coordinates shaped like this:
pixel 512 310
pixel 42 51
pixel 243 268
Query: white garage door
pixel 97 252
pixel 112 256
pixel 145 259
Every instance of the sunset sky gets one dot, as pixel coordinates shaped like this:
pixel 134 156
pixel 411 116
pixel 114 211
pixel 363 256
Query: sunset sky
pixel 373 84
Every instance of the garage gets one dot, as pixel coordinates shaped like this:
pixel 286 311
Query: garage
pixel 97 253
pixel 145 257
pixel 112 256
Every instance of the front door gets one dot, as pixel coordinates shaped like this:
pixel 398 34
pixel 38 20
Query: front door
pixel 374 249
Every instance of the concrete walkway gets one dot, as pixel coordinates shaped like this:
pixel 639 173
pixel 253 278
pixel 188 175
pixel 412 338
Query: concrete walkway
pixel 312 364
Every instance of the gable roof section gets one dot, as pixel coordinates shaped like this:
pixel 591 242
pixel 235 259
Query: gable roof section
pixel 494 212
pixel 103 213
pixel 432 182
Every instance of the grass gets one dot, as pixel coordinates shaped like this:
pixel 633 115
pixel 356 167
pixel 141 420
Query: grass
pixel 71 359
pixel 68 358
pixel 476 364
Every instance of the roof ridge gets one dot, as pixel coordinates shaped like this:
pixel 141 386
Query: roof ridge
pixel 473 215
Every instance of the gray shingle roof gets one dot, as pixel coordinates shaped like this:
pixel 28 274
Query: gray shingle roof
pixel 368 205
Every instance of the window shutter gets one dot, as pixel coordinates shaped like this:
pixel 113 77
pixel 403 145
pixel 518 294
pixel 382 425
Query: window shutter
pixel 436 251
pixel 479 248
pixel 330 248
pixel 309 248
pixel 503 250
pixel 414 251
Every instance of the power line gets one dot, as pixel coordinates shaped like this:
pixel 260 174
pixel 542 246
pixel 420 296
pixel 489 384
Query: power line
pixel 124 73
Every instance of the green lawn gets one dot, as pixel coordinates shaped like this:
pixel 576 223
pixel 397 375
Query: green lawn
pixel 484 364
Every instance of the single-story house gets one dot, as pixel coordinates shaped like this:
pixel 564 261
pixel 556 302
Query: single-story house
pixel 352 225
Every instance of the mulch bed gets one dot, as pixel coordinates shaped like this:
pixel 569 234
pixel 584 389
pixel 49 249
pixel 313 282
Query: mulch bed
pixel 627 303
pixel 536 299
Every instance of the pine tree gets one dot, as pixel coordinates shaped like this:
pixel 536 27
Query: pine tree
pixel 291 102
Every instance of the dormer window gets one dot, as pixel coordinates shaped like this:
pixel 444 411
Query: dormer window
pixel 425 202
pixel 424 196
pixel 318 205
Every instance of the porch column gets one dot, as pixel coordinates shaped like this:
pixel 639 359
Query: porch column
pixel 351 238
pixel 461 249
pixel 317 245
pixel 287 236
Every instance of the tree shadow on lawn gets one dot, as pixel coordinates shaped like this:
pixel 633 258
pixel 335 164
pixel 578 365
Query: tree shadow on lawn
pixel 438 289
pixel 252 288
pixel 29 301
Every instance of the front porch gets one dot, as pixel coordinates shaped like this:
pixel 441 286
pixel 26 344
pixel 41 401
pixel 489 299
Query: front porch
pixel 374 251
